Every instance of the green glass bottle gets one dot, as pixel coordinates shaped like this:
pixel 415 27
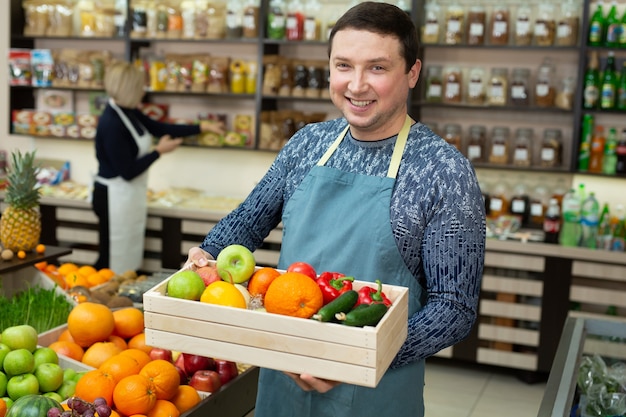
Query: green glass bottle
pixel 621 89
pixel 609 161
pixel 591 92
pixel 613 27
pixel 596 27
pixel 608 86
pixel 622 34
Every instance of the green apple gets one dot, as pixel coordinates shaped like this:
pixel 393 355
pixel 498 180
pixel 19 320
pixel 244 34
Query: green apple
pixel 21 385
pixel 79 375
pixel 18 362
pixel 235 264
pixel 3 384
pixel 4 349
pixel 69 374
pixel 49 376
pixel 45 355
pixel 20 337
pixel 55 396
pixel 185 284
pixel 67 389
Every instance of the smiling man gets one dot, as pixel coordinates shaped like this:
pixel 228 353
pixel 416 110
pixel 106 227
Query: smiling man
pixel 376 195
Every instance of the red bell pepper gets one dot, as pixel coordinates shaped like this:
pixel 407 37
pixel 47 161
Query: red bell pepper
pixel 369 295
pixel 333 284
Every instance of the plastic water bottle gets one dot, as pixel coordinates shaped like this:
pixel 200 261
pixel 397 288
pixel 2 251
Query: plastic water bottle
pixel 570 212
pixel 589 220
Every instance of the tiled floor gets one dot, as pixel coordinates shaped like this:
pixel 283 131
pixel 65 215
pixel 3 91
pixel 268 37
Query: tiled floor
pixel 464 390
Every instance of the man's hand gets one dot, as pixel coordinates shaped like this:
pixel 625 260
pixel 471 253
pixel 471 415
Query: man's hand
pixel 309 383
pixel 197 258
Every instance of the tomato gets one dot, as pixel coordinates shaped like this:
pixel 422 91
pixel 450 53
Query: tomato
pixel 303 268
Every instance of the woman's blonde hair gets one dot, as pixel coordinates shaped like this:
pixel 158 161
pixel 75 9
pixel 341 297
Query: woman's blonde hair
pixel 124 83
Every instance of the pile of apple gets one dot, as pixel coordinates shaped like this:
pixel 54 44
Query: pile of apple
pixel 201 372
pixel 26 368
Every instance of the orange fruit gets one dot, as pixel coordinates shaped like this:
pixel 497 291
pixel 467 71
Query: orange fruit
pixel 139 355
pixel 67 267
pixel 261 280
pixel 99 352
pixel 87 270
pixel 223 293
pixel 164 377
pixel 120 366
pixel 139 342
pixel 3 407
pixel 114 414
pixel 186 398
pixel 95 279
pixel 128 322
pixel 90 322
pixel 65 335
pixel 163 408
pixel 40 248
pixel 119 341
pixel 41 266
pixel 74 278
pixel 68 348
pixel 106 272
pixel 94 384
pixel 293 294
pixel 21 254
pixel 134 394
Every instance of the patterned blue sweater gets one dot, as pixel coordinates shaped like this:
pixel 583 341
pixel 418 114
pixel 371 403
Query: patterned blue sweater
pixel 437 216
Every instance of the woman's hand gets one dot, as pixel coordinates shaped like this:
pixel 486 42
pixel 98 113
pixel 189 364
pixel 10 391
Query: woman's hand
pixel 309 383
pixel 167 144
pixel 197 258
pixel 214 126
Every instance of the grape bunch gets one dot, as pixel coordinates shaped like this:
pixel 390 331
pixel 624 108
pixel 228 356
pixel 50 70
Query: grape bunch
pixel 81 408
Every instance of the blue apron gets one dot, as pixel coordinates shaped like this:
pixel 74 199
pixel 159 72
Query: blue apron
pixel 339 221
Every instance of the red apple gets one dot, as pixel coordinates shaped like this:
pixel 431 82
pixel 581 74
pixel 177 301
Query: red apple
pixel 227 370
pixel 184 379
pixel 208 274
pixel 159 353
pixel 206 380
pixel 195 363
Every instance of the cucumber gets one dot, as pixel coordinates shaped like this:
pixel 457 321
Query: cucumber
pixel 369 315
pixel 341 304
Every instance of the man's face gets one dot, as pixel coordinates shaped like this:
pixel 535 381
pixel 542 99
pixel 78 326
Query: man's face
pixel 368 82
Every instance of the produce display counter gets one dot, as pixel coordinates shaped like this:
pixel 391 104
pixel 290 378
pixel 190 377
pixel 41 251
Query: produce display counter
pixel 51 254
pixel 582 335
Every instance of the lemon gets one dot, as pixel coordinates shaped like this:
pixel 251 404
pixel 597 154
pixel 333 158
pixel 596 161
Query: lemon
pixel 223 293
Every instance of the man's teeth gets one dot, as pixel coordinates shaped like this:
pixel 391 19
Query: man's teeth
pixel 360 103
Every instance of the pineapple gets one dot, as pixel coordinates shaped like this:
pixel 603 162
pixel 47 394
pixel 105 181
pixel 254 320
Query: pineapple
pixel 20 224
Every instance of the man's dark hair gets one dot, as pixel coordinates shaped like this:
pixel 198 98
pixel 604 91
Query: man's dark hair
pixel 384 19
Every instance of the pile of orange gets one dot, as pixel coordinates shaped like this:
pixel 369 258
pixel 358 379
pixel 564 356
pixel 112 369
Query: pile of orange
pixel 113 342
pixel 69 275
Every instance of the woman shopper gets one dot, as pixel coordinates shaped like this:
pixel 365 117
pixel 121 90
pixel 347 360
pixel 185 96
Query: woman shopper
pixel 374 194
pixel 125 152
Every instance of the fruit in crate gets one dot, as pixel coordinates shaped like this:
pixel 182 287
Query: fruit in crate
pixel 206 380
pixel 185 284
pixel 235 264
pixel 20 224
pixel 225 294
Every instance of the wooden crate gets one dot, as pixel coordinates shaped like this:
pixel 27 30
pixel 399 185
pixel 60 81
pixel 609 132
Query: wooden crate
pixel 356 355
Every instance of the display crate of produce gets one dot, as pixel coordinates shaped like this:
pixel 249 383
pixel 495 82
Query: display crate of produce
pixel 51 336
pixel 356 355
pixel 30 277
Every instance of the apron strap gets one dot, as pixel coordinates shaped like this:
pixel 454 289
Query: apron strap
pixel 125 119
pixel 396 157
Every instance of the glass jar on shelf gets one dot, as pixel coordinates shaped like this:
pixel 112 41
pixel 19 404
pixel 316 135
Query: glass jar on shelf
pixel 498 87
pixel 454 24
pixel 431 28
pixel 565 96
pixel 476 143
pixel 523 30
pixel 452 83
pixel 569 23
pixel 476 92
pixel 522 150
pixel 520 87
pixel 544 32
pixel 476 25
pixel 434 84
pixel 251 19
pixel 500 148
pixel 551 146
pixel 499 28
pixel 545 92
pixel 452 135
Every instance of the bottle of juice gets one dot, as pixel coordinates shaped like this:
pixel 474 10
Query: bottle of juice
pixel 613 27
pixel 591 86
pixel 609 160
pixel 585 142
pixel 597 150
pixel 596 27
pixel 608 85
